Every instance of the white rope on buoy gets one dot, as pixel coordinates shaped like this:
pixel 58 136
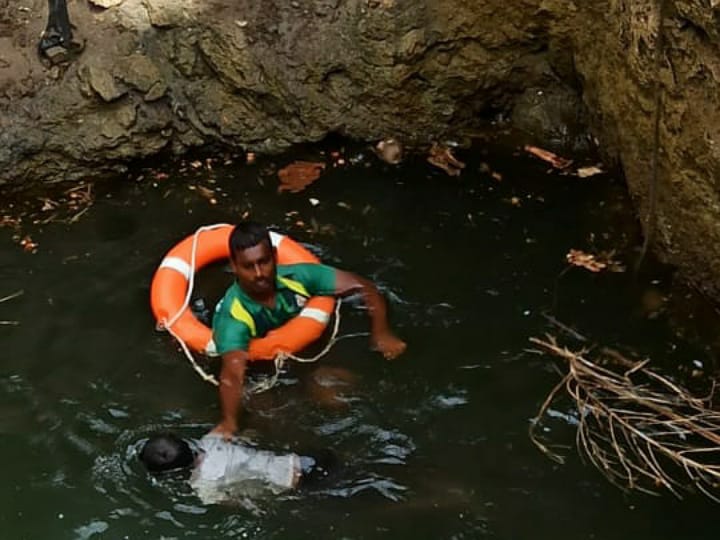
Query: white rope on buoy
pixel 167 325
pixel 191 276
pixel 207 377
pixel 281 357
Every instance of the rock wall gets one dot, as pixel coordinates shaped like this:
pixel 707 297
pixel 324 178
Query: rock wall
pixel 258 74
pixel 261 75
pixel 617 65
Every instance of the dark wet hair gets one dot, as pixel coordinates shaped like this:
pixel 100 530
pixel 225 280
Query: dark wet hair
pixel 165 452
pixel 246 235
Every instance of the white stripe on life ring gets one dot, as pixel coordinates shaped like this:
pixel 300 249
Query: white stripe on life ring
pixel 276 238
pixel 177 264
pixel 211 349
pixel 313 313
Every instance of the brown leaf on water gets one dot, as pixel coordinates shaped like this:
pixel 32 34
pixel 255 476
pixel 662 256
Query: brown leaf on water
pixel 584 260
pixel 554 160
pixel 442 157
pixel 28 245
pixel 594 263
pixel 298 175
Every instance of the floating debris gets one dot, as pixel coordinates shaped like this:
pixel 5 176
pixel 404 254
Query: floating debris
pixel 586 172
pixel 28 244
pixel 551 158
pixel 5 299
pixel 389 150
pixel 441 156
pixel 299 174
pixel 593 263
pixel 206 193
pixel 12 296
pixel 640 429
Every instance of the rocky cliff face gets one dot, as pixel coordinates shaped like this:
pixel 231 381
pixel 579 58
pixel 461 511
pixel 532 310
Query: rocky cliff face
pixel 615 56
pixel 261 75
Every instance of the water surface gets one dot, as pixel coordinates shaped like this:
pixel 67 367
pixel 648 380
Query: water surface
pixel 433 445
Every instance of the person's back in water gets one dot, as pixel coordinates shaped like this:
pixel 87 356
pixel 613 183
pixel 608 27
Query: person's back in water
pixel 227 471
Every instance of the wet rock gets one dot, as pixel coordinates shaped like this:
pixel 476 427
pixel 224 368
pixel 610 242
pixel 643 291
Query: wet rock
pixel 411 43
pixel 116 126
pixel 102 83
pixel 166 13
pixel 441 156
pixel 554 116
pixel 140 72
pixel 156 91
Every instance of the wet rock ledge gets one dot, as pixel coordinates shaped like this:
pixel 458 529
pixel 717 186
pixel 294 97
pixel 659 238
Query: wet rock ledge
pixel 261 75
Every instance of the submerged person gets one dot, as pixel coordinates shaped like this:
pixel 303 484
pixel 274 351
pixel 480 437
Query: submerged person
pixel 226 471
pixel 265 295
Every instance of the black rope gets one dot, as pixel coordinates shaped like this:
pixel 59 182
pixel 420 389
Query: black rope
pixel 652 192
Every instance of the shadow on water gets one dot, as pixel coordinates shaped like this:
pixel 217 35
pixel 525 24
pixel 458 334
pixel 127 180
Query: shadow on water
pixel 433 445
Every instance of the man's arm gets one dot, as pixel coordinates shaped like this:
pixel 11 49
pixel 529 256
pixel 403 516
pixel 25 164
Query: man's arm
pixel 232 380
pixel 381 336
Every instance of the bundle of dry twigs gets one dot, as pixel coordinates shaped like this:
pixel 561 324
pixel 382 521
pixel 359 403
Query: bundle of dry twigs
pixel 640 429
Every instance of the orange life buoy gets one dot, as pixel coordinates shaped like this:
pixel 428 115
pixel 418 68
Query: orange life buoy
pixel 173 277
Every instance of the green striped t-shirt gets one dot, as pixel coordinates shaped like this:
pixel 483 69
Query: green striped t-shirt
pixel 238 318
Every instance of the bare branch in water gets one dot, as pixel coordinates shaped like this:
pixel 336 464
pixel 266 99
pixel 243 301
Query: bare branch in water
pixel 642 435
pixel 11 296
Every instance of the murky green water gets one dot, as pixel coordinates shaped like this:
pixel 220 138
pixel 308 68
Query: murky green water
pixel 433 445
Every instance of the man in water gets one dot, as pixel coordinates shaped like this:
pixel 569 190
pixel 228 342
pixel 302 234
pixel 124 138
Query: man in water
pixel 265 296
pixel 226 471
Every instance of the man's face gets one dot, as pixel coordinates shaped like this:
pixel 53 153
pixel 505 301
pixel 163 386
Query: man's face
pixel 254 268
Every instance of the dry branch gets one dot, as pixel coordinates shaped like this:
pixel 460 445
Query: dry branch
pixel 11 296
pixel 639 428
pixel 5 299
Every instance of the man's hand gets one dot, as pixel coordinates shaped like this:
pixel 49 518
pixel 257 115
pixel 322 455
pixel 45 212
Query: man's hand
pixel 381 339
pixel 226 428
pixel 389 345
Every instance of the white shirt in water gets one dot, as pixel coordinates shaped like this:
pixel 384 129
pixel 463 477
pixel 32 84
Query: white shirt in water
pixel 228 471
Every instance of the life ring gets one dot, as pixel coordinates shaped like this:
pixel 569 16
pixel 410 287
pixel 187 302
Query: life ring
pixel 174 277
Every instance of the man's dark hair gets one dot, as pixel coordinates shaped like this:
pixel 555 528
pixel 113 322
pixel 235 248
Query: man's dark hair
pixel 246 235
pixel 165 452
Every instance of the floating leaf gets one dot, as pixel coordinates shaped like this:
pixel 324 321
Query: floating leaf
pixel 594 263
pixel 298 175
pixel 555 160
pixel 441 156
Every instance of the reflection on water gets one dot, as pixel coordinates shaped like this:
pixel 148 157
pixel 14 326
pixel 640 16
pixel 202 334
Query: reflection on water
pixel 432 445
